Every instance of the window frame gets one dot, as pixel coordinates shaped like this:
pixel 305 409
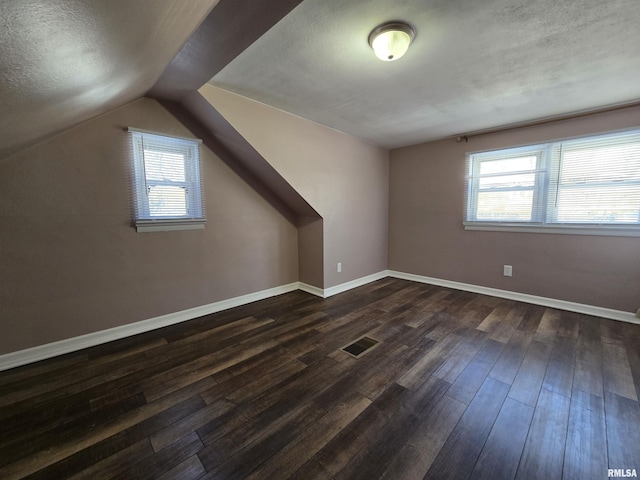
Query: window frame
pixel 474 177
pixel 189 148
pixel 544 214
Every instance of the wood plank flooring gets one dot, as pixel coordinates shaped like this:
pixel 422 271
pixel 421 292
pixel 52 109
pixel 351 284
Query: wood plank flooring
pixel 462 386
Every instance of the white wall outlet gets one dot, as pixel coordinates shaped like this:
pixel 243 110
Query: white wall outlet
pixel 507 270
pixel 339 267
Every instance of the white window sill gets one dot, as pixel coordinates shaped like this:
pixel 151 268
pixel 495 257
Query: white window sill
pixel 168 225
pixel 565 229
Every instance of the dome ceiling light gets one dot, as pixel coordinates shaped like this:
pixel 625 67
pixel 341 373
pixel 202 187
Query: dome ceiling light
pixel 391 40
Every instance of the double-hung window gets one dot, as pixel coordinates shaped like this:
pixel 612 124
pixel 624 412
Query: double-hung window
pixel 587 185
pixel 168 192
pixel 506 186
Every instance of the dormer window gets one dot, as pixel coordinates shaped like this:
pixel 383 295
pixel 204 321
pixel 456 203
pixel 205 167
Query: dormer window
pixel 167 182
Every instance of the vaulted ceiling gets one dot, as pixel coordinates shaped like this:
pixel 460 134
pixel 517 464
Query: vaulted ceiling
pixel 63 62
pixel 474 65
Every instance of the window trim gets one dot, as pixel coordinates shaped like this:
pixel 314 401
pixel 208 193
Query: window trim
pixel 562 229
pixel 169 225
pixel 541 222
pixel 143 221
pixel 538 189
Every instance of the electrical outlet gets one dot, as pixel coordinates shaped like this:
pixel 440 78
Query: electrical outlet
pixel 507 270
pixel 339 267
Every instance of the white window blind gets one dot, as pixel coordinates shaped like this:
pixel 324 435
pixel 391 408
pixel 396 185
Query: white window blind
pixel 596 180
pixel 167 182
pixel 506 185
pixel 592 181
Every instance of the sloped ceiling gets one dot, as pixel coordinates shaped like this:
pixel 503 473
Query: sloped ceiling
pixel 63 62
pixel 475 65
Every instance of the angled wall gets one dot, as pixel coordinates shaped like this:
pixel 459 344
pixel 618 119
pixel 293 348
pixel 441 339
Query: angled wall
pixel 343 178
pixel 310 251
pixel 71 262
pixel 426 236
pixel 201 117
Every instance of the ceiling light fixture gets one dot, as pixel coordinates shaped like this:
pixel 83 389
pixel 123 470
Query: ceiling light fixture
pixel 391 40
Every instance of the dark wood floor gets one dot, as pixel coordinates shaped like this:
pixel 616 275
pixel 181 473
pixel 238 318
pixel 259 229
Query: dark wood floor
pixel 461 386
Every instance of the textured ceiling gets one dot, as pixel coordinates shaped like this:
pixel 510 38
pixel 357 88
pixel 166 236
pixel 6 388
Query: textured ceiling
pixel 474 65
pixel 65 61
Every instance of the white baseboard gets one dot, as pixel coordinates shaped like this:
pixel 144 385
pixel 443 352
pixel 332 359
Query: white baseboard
pixel 358 282
pixel 523 297
pixel 343 287
pixel 305 287
pixel 49 350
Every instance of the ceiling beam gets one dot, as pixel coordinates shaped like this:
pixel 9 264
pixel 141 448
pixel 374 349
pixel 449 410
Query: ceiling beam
pixel 227 31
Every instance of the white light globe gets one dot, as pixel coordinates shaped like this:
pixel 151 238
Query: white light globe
pixel 391 41
pixel 391 45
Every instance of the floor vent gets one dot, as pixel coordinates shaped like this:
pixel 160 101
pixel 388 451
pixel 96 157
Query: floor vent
pixel 360 347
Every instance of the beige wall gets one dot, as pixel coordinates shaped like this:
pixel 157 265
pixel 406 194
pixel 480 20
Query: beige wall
pixel 426 236
pixel 310 259
pixel 343 178
pixel 71 263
